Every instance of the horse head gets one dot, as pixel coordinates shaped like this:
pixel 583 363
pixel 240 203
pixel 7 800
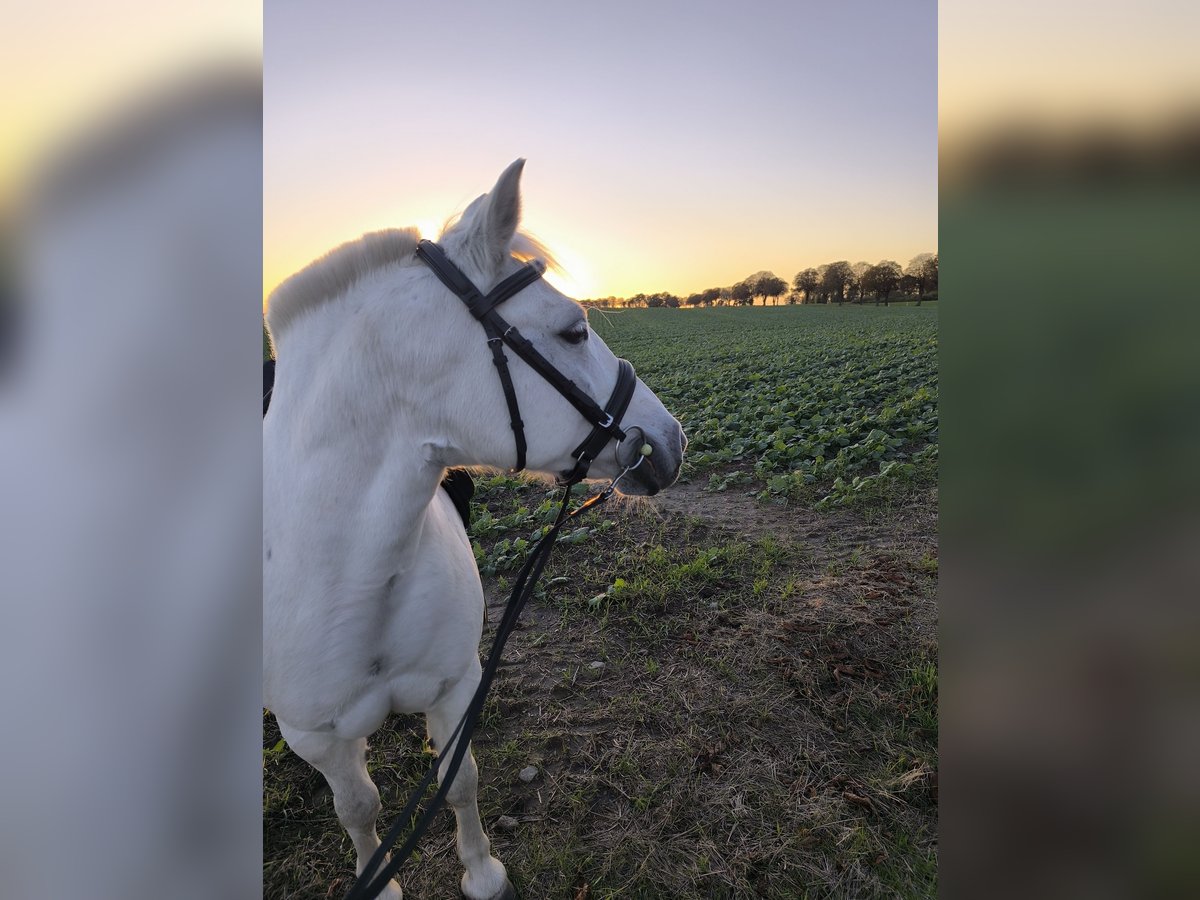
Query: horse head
pixel 486 246
pixel 376 353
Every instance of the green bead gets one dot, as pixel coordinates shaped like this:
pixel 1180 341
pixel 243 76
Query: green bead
pixel 646 450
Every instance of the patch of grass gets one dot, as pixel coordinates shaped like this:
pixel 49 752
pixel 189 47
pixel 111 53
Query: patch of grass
pixel 928 564
pixel 921 682
pixel 742 738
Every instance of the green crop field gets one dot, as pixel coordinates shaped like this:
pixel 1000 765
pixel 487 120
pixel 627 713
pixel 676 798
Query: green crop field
pixel 819 402
pixel 727 690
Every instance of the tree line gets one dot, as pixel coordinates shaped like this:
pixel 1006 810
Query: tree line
pixel 835 282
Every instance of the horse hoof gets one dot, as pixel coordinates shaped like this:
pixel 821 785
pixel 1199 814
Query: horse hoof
pixel 508 892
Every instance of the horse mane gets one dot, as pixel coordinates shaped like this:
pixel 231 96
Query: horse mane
pixel 336 272
pixel 333 274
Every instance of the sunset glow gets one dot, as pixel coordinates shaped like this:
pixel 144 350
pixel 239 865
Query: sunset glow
pixel 60 79
pixel 1123 64
pixel 686 153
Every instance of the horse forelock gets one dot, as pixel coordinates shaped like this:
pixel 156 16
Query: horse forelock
pixel 526 247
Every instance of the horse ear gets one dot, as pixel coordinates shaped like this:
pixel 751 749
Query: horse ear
pixel 473 208
pixel 503 210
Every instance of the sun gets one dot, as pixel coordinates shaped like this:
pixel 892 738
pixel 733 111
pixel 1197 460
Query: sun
pixel 429 229
pixel 573 276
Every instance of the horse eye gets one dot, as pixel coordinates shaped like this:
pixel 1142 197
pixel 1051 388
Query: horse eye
pixel 576 334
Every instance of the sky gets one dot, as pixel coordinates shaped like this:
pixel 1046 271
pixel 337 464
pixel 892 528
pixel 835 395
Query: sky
pixel 670 146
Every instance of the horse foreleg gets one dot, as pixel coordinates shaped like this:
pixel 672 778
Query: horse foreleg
pixel 355 797
pixel 485 877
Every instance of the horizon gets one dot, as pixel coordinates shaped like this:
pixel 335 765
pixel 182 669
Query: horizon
pixel 789 279
pixel 742 143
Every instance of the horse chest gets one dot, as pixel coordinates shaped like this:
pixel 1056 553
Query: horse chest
pixel 340 658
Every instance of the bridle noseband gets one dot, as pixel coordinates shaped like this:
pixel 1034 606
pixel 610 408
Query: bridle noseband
pixel 606 422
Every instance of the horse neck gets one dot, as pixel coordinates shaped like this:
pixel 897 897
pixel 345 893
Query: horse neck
pixel 388 457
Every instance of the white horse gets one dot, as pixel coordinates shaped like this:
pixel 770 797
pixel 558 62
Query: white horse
pixel 372 602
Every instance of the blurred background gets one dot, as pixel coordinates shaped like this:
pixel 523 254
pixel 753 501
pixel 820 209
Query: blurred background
pixel 1069 222
pixel 130 623
pixel 130 289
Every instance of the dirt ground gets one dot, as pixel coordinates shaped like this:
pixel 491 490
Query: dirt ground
pixel 723 697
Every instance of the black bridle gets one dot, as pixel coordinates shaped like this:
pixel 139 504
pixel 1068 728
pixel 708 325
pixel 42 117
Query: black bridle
pixel 606 422
pixel 606 426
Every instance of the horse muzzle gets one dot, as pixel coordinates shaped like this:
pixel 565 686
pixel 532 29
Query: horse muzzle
pixel 656 471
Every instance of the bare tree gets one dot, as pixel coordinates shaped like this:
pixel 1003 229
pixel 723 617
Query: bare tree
pixel 837 276
pixel 774 287
pixel 742 293
pixel 854 289
pixel 765 284
pixel 807 281
pixel 917 271
pixel 881 279
pixel 930 270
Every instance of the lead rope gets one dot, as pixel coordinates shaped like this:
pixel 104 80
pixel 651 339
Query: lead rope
pixel 368 884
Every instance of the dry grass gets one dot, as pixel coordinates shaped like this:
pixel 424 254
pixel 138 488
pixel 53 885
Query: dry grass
pixel 764 724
